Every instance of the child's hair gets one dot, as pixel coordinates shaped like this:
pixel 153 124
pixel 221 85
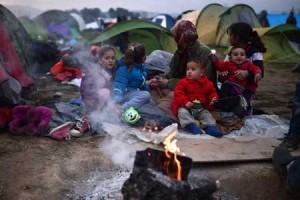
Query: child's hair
pixel 200 62
pixel 246 35
pixel 134 53
pixel 236 47
pixel 103 49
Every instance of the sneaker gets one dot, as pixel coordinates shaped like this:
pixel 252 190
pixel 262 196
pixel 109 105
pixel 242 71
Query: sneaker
pixel 82 125
pixel 192 127
pixel 291 141
pixel 213 131
pixel 61 132
pixel 281 158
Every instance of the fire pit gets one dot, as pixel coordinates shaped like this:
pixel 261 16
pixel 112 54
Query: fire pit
pixel 155 175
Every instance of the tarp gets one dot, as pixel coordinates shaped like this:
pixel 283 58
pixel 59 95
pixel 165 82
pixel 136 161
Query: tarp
pixel 278 19
pixel 152 35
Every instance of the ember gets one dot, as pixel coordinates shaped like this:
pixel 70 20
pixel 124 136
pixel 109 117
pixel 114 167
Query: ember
pixel 150 127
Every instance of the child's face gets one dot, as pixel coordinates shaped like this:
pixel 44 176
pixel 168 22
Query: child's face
pixel 194 71
pixel 238 55
pixel 108 60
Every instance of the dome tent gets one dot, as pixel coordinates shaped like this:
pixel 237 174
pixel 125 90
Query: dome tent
pixel 152 35
pixel 164 20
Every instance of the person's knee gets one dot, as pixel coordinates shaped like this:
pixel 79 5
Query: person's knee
pixel 145 94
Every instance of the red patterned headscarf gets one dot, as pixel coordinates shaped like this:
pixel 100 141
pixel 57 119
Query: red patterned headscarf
pixel 184 30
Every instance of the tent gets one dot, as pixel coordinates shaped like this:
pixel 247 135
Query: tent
pixel 14 35
pixel 164 20
pixel 58 22
pixel 282 42
pixel 15 59
pixel 152 35
pixel 213 20
pixel 36 31
pixel 79 20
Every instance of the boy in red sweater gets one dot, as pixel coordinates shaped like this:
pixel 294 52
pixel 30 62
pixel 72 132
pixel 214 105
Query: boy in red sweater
pixel 194 96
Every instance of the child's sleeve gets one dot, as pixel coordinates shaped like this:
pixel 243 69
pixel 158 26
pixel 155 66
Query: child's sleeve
pixel 179 94
pixel 119 84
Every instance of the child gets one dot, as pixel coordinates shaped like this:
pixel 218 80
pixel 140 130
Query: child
pixel 194 96
pixel 232 86
pixel 96 84
pixel 130 88
pixel 242 34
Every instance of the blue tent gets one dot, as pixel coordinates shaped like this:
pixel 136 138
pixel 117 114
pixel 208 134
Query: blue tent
pixel 164 20
pixel 277 19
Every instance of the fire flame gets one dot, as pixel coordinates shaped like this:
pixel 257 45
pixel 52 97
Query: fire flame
pixel 170 146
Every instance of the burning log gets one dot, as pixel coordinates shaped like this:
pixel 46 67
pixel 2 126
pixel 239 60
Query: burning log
pixel 154 177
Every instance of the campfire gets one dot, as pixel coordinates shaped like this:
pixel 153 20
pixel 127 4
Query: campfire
pixel 160 174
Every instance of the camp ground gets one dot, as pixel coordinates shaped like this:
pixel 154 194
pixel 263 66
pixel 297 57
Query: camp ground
pixel 216 18
pixel 97 164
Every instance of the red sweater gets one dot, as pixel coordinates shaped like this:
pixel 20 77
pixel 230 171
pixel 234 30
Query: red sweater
pixel 233 67
pixel 189 90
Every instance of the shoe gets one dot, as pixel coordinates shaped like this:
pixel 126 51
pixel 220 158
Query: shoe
pixel 281 158
pixel 291 141
pixel 82 125
pixel 194 129
pixel 213 131
pixel 62 132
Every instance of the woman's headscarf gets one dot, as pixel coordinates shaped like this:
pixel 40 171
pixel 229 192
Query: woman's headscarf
pixel 184 31
pixel 185 35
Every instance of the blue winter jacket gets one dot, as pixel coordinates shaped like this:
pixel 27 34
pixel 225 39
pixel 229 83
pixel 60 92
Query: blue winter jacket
pixel 128 80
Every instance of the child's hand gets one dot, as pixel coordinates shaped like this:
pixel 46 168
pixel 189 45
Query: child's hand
pixel 163 82
pixel 241 74
pixel 189 105
pixel 257 78
pixel 153 83
pixel 213 101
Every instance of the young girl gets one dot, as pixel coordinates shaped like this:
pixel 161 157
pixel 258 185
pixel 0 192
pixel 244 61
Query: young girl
pixel 96 84
pixel 243 35
pixel 233 87
pixel 194 96
pixel 130 87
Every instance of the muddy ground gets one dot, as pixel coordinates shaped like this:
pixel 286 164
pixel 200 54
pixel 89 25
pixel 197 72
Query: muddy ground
pixel 42 168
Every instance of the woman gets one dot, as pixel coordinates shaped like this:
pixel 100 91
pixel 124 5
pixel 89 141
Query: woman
pixel 188 47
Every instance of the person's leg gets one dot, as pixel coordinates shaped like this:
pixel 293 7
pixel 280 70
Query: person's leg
pixel 293 176
pixel 292 140
pixel 248 96
pixel 288 168
pixel 136 99
pixel 208 122
pixel 228 99
pixel 187 121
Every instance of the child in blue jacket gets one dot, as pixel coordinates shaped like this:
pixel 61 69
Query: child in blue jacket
pixel 130 88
